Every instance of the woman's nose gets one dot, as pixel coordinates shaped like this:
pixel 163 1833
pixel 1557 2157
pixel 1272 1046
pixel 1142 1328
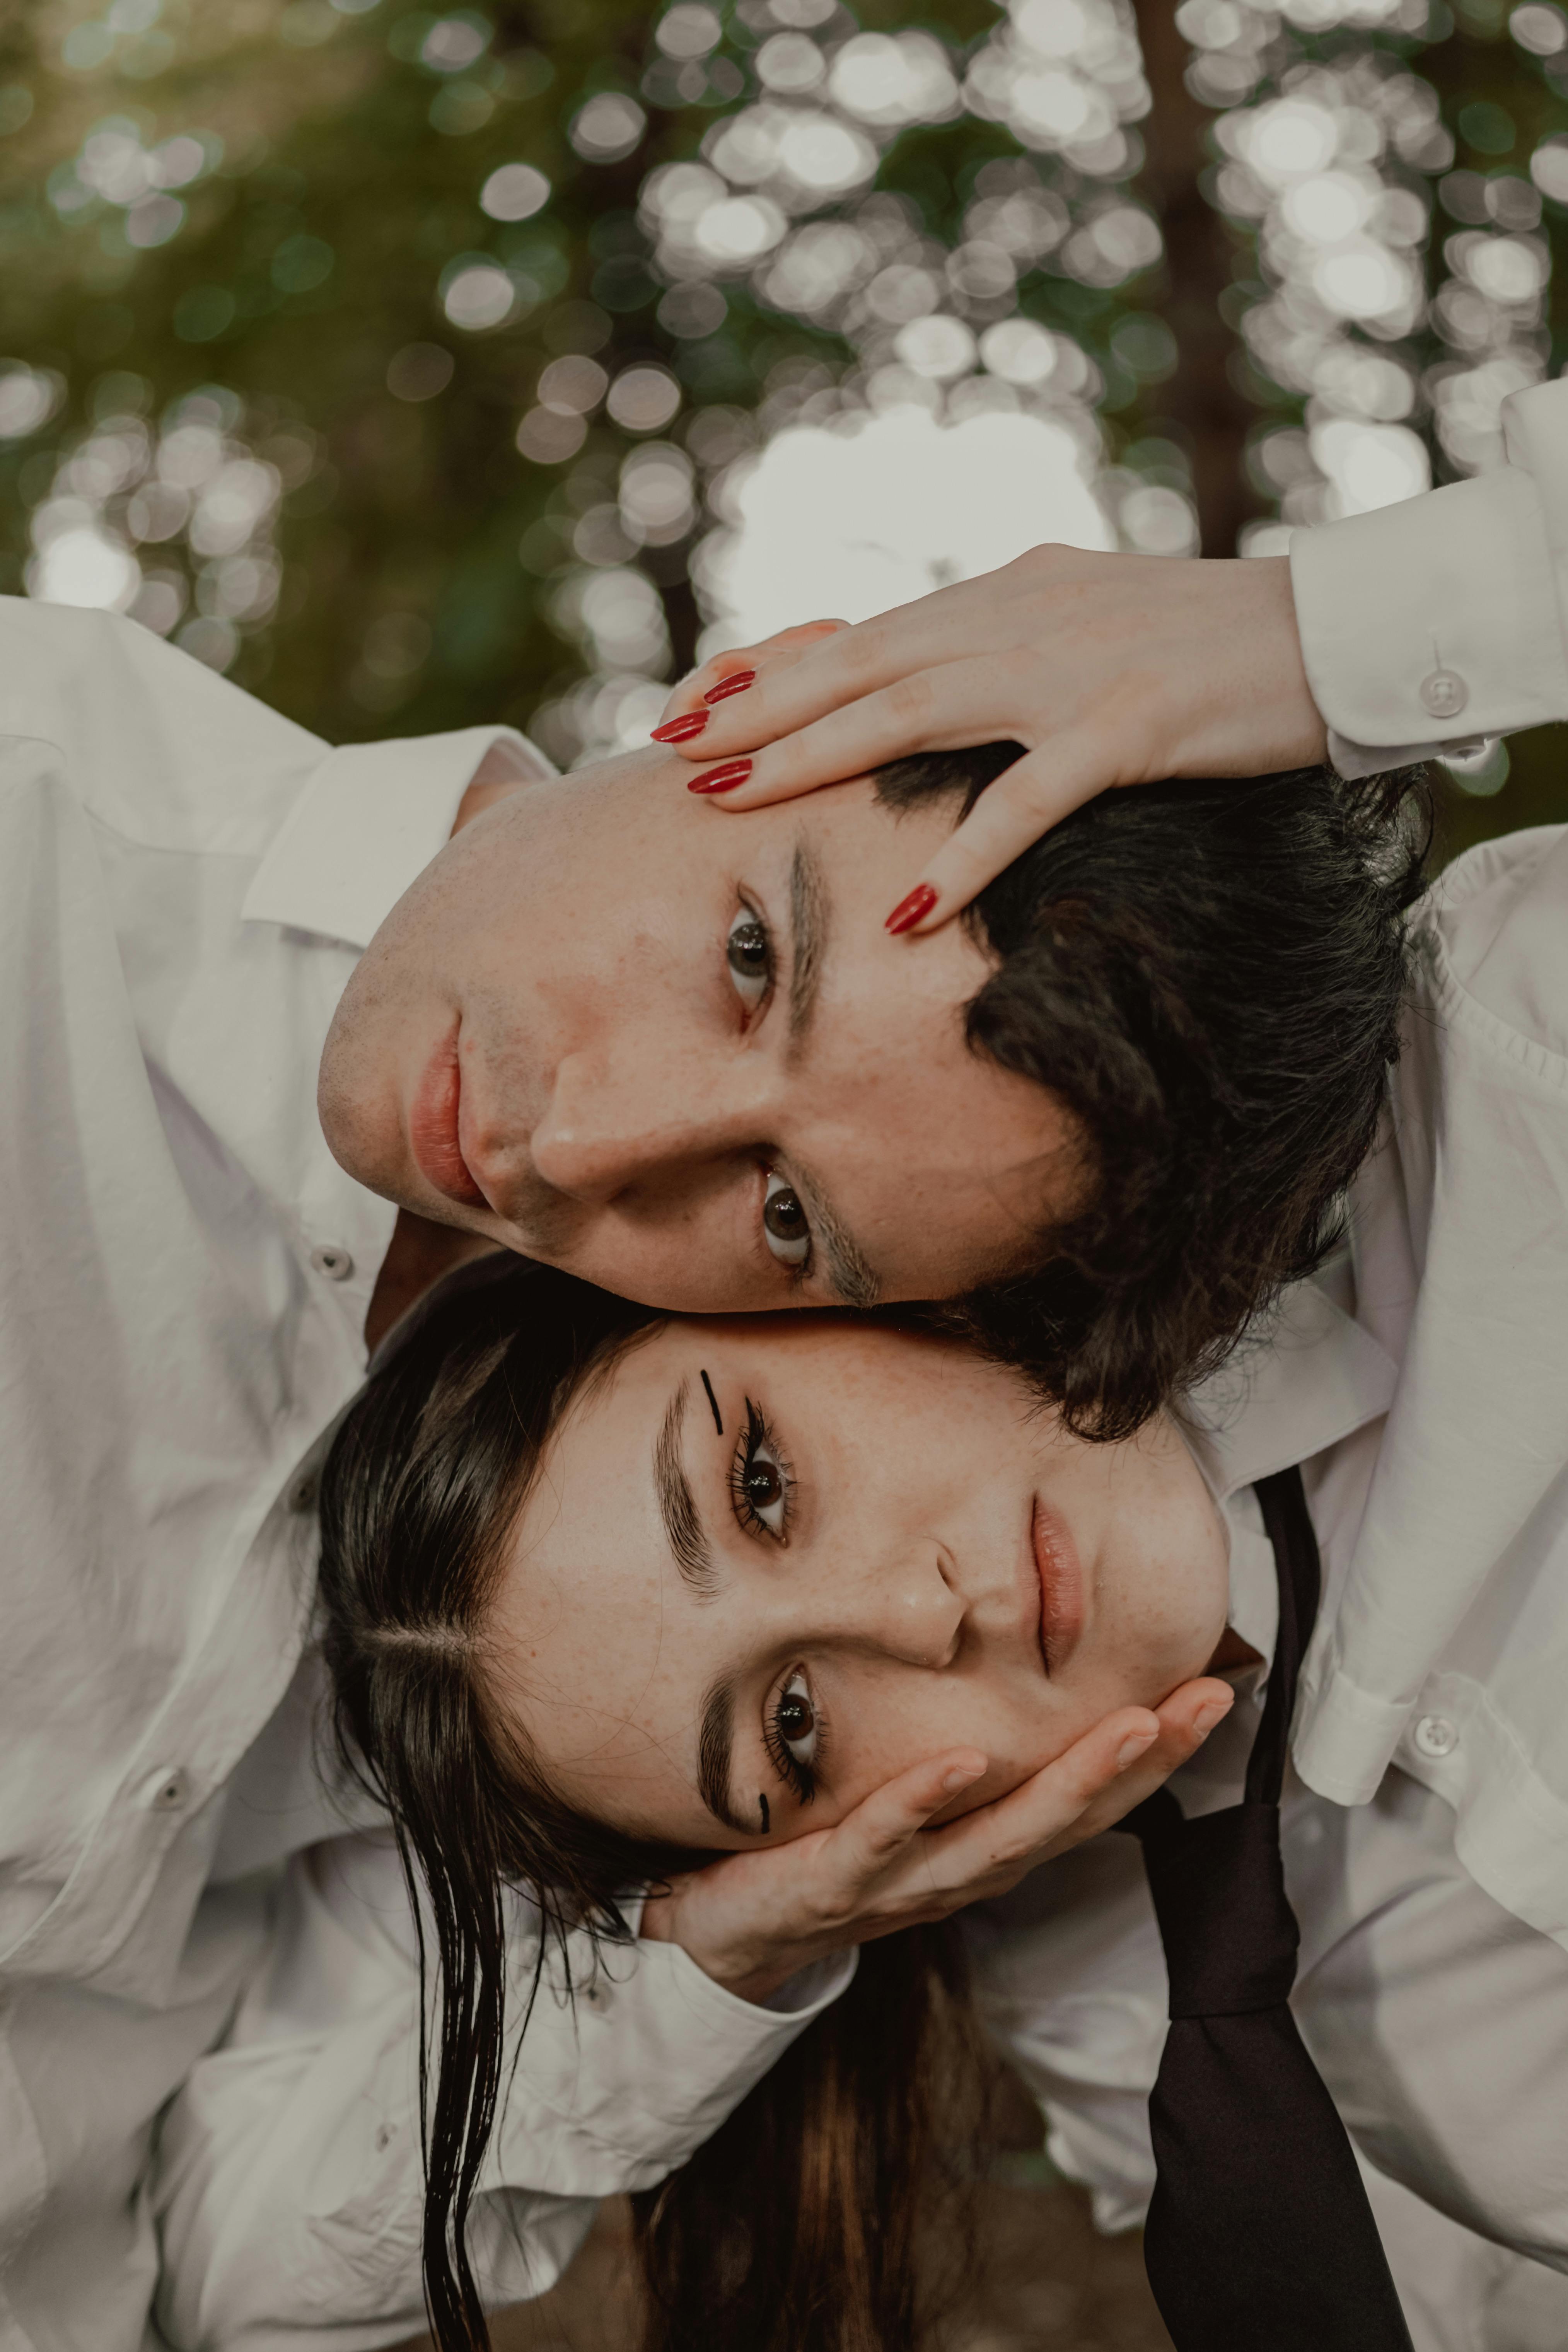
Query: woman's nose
pixel 905 1607
pixel 615 1123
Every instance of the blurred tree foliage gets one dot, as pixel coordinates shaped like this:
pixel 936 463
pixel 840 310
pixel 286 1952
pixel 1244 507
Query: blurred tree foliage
pixel 398 360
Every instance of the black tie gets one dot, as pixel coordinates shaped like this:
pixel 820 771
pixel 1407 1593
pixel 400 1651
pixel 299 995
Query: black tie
pixel 1259 2238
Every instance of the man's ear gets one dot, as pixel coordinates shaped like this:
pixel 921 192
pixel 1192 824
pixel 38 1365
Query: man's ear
pixel 511 761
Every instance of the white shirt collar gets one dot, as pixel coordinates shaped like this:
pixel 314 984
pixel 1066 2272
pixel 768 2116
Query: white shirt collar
pixel 370 818
pixel 1309 1378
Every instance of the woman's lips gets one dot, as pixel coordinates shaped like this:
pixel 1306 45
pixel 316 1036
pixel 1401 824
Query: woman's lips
pixel 433 1127
pixel 1061 1586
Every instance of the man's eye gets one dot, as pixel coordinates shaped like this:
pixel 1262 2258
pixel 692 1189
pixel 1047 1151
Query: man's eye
pixel 784 1223
pixel 750 954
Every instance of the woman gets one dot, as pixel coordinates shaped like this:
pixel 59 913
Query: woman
pixel 605 1589
pixel 608 1592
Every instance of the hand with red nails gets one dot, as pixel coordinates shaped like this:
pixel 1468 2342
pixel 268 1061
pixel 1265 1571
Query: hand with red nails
pixel 755 1919
pixel 1106 669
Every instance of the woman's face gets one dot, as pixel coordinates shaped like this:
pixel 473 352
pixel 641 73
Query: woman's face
pixel 714 1636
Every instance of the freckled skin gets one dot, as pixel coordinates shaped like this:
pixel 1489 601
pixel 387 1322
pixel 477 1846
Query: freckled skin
pixel 621 1106
pixel 908 1592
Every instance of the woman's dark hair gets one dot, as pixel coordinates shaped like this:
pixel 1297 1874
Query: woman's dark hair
pixel 1209 975
pixel 796 2228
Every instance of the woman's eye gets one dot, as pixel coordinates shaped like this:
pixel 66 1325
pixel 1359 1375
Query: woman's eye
pixel 760 1480
pixel 761 1483
pixel 749 955
pixel 785 1227
pixel 794 1720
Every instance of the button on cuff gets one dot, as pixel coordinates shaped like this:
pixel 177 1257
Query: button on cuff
pixel 1443 693
pixel 1435 1736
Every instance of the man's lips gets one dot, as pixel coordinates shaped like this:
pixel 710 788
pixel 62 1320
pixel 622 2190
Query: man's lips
pixel 1061 1586
pixel 433 1127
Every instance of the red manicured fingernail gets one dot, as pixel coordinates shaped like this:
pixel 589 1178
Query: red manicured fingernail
pixel 682 730
pixel 721 779
pixel 912 910
pixel 736 683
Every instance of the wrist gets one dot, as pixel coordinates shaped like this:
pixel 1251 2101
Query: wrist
pixel 750 1974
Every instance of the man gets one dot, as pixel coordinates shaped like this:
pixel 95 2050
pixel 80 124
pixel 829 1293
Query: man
pixel 676 1099
pixel 1429 1735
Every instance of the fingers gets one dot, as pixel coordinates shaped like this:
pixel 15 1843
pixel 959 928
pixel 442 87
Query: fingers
pixel 718 678
pixel 1024 802
pixel 1186 1720
pixel 991 1847
pixel 1116 1764
pixel 894 1814
pixel 948 706
pixel 840 666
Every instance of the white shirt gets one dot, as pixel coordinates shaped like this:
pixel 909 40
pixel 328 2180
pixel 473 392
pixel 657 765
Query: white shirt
pixel 1423 1383
pixel 1443 618
pixel 1442 1645
pixel 185 881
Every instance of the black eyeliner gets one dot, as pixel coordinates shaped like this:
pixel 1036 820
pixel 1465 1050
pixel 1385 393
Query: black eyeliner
pixel 714 1403
pixel 767 1826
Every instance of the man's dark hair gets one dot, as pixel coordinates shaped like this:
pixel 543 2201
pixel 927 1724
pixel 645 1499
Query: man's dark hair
pixel 1209 975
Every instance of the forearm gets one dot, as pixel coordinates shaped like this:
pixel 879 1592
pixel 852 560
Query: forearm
pixel 289 2184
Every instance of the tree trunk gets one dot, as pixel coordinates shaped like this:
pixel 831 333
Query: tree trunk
pixel 1202 398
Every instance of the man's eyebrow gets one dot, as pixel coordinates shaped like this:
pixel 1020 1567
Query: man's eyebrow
pixel 810 909
pixel 851 1277
pixel 850 1273
pixel 714 1756
pixel 683 1526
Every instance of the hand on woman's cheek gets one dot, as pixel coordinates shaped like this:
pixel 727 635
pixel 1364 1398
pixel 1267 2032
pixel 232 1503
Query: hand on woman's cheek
pixel 773 1563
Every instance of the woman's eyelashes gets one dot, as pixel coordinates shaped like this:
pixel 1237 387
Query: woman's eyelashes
pixel 749 952
pixel 794 1735
pixel 761 1481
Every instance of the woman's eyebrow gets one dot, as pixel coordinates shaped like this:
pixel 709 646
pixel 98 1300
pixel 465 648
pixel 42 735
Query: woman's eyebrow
pixel 713 1768
pixel 683 1528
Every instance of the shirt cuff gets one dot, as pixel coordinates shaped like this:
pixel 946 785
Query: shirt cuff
pixel 1430 624
pixel 659 2056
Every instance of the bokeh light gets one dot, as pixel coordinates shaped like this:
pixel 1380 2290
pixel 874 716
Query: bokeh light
pixel 422 363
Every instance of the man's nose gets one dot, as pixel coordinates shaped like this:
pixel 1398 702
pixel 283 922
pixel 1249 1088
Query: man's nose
pixel 617 1121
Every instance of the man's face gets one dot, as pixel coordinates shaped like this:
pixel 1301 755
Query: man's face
pixel 615 1029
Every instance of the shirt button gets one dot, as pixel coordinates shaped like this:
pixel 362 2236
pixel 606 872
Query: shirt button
pixel 302 1493
pixel 1435 1735
pixel 166 1791
pixel 332 1259
pixel 1444 693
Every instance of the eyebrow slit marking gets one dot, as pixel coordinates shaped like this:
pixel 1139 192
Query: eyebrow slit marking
pixel 762 1803
pixel 714 1403
pixel 683 1528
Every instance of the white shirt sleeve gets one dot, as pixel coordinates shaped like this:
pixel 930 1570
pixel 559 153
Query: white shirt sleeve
pixel 289 2184
pixel 1443 619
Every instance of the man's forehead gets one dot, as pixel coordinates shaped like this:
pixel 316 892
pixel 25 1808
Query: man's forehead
pixel 649 759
